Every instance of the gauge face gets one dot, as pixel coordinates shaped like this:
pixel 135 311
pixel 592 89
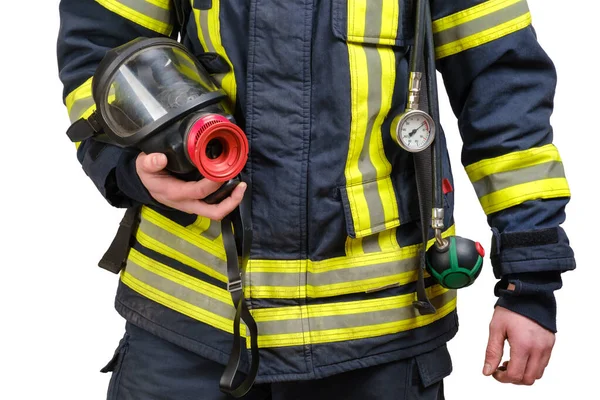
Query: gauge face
pixel 415 131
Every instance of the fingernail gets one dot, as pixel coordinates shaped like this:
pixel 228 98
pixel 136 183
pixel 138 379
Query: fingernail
pixel 487 369
pixel 243 185
pixel 157 161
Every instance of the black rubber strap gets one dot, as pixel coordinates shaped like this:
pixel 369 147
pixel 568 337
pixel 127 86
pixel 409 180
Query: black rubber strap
pixel 115 257
pixel 236 289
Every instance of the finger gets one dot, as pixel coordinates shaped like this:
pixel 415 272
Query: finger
pixel 229 204
pixel 494 350
pixel 534 370
pixel 214 212
pixel 151 163
pixel 544 360
pixel 197 190
pixel 515 369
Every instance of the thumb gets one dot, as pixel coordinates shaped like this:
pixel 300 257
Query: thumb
pixel 494 351
pixel 152 163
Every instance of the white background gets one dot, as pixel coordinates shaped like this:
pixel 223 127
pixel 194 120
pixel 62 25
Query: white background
pixel 57 322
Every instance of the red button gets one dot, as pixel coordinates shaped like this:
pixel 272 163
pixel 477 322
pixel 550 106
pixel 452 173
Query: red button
pixel 446 186
pixel 480 249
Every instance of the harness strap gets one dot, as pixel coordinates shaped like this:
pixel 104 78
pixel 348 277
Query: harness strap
pixel 235 286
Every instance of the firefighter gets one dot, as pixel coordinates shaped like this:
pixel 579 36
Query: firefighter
pixel 334 264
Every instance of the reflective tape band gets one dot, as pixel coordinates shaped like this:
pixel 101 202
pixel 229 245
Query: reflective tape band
pixel 503 180
pixel 369 191
pixel 179 292
pixel 208 24
pixel 206 227
pixel 479 25
pixel 79 102
pixel 287 279
pixel 348 321
pixel 152 14
pixel 381 18
pixel 213 247
pixel 520 176
pixel 172 240
pixel 280 279
pixel 281 326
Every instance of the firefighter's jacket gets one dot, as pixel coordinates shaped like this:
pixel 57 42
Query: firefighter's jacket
pixel 315 85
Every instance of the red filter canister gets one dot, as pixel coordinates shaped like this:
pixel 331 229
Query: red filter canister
pixel 211 130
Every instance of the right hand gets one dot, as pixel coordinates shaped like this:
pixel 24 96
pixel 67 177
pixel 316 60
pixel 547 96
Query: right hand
pixel 181 195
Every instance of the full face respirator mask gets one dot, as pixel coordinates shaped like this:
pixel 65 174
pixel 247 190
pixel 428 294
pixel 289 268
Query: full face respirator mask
pixel 152 94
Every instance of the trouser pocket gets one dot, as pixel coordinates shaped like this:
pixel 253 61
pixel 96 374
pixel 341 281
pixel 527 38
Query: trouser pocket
pixel 115 366
pixel 428 373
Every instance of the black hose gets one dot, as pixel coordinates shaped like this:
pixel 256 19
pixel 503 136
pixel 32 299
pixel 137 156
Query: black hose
pixel 417 53
pixel 434 111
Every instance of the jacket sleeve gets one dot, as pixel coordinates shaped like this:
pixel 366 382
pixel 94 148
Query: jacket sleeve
pixel 501 85
pixel 88 29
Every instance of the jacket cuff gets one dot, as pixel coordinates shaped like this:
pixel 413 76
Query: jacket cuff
pixel 532 296
pixel 538 250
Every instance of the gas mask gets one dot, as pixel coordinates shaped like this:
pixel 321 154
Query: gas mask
pixel 152 94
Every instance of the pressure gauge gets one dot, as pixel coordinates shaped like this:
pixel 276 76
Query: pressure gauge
pixel 415 131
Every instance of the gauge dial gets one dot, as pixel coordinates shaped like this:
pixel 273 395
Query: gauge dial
pixel 415 131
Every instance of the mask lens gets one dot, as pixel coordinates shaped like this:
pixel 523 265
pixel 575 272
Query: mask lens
pixel 151 84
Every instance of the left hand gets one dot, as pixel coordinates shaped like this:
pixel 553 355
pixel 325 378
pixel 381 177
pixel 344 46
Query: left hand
pixel 530 348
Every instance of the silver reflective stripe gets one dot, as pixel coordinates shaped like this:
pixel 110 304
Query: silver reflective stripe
pixel 502 180
pixel 365 163
pixel 213 231
pixel 361 318
pixel 481 24
pixel 370 244
pixel 193 297
pixel 333 277
pixel 210 47
pixel 184 247
pixel 373 19
pixel 148 9
pixel 79 108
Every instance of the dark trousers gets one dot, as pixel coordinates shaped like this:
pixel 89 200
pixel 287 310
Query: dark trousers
pixel 146 367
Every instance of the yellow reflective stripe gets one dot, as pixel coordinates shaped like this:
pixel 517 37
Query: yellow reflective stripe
pixel 369 190
pixel 149 14
pixel 165 237
pixel 514 178
pixel 512 161
pixel 164 4
pixel 336 289
pixel 213 247
pixel 338 321
pixel 403 305
pixel 180 278
pixel 208 300
pixel 206 227
pixel 79 102
pixel 390 14
pixel 473 13
pixel 312 276
pixel 514 195
pixel 338 263
pixel 341 308
pixel 208 25
pixel 382 242
pixel 479 25
pixel 159 247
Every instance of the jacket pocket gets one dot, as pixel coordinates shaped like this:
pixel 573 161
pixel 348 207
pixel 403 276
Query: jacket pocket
pixel 375 22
